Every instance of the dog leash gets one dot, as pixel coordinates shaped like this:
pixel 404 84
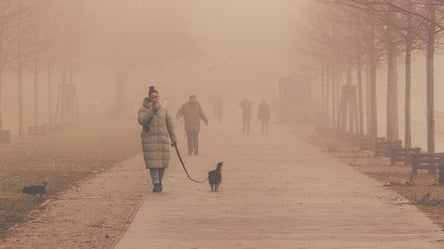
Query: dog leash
pixel 184 168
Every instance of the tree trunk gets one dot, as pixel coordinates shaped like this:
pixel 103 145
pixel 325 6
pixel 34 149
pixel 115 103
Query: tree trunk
pixel 392 86
pixel 20 90
pixel 2 55
pixel 367 96
pixel 334 98
pixel 373 99
pixel 359 107
pixel 430 52
pixel 408 80
pixel 360 118
pixel 349 107
pixel 322 110
pixel 338 98
pixel 49 93
pixel 327 97
pixel 36 102
pixel 19 74
pixel 373 107
pixel 323 105
pixel 74 101
pixel 392 99
pixel 20 98
pixel 1 90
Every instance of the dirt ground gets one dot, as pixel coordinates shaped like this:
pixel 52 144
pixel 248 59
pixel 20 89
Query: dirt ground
pixel 61 159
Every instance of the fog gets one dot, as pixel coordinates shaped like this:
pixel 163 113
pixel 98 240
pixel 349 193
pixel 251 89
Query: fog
pixel 236 48
pixel 233 48
pixel 335 73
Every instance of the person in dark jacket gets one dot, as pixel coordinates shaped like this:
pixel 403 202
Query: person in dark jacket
pixel 156 134
pixel 192 114
pixel 218 106
pixel 264 115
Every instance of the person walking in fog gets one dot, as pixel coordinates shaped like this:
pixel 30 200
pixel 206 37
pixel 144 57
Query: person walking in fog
pixel 246 104
pixel 219 108
pixel 192 114
pixel 264 115
pixel 156 134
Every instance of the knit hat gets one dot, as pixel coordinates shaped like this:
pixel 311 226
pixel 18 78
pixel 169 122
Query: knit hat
pixel 152 90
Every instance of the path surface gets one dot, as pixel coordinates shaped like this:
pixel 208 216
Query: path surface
pixel 277 192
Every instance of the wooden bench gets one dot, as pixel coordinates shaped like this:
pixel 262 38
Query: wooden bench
pixel 59 127
pixel 36 130
pixel 368 143
pixel 402 155
pixel 430 161
pixel 383 148
pixel 5 136
pixel 52 127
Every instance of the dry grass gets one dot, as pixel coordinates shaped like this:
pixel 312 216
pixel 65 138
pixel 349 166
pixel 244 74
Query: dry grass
pixel 422 190
pixel 61 160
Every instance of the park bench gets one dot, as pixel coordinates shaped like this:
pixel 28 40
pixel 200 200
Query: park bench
pixel 36 130
pixel 430 161
pixel 59 127
pixel 402 155
pixel 5 136
pixel 382 148
pixel 368 143
pixel 53 127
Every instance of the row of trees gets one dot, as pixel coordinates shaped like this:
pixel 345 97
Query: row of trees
pixel 67 36
pixel 18 42
pixel 358 37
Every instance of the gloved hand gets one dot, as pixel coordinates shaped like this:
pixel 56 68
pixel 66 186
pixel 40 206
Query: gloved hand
pixel 147 103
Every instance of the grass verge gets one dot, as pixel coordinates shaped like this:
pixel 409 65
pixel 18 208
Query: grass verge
pixel 60 159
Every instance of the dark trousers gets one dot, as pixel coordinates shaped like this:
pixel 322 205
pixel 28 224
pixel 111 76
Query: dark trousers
pixel 193 141
pixel 246 126
pixel 156 175
pixel 264 124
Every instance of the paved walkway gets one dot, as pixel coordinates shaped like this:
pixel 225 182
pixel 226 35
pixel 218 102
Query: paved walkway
pixel 277 192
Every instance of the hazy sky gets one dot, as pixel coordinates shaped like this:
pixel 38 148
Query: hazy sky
pixel 253 35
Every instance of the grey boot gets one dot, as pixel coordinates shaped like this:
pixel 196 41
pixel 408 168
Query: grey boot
pixel 157 187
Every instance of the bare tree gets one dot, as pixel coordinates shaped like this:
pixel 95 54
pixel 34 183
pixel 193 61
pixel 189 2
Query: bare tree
pixel 7 15
pixel 137 36
pixel 28 14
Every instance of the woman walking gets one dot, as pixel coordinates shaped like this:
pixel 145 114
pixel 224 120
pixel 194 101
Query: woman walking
pixel 156 134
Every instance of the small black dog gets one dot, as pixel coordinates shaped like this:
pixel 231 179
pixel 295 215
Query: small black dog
pixel 215 177
pixel 36 189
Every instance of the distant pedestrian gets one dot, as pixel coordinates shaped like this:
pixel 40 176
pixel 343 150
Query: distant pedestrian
pixel 156 135
pixel 219 108
pixel 246 105
pixel 264 115
pixel 192 114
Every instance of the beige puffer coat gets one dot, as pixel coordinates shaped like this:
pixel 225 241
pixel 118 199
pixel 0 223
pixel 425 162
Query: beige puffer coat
pixel 156 134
